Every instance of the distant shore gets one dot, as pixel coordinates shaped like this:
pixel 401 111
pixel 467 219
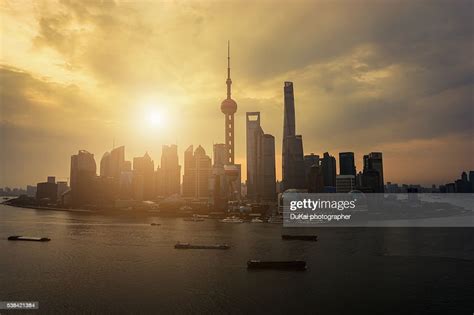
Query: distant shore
pixel 47 208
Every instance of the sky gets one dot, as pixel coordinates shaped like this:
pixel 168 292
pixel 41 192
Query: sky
pixel 388 76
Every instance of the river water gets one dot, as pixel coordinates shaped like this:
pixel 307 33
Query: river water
pixel 122 264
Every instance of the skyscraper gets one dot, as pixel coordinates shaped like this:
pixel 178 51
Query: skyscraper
pixel 143 180
pixel 197 173
pixel 315 179
pixel 225 182
pixel 328 165
pixel 188 173
pixel 83 178
pixel 292 152
pixel 105 165
pixel 373 162
pixel 347 164
pixel 289 125
pixel 111 167
pixel 261 176
pixel 220 154
pixel 47 191
pixel 168 175
pixel 254 143
pixel 229 107
pixel 309 161
pixel 269 171
pixel 117 161
pixel 219 187
pixel 312 171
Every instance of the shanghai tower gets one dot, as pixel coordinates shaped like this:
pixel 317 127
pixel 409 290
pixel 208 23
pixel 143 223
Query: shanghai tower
pixel 293 172
pixel 229 107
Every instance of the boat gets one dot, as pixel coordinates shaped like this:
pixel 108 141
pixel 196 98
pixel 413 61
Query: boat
pixel 155 224
pixel 299 265
pixel 185 208
pixel 256 220
pixel 194 218
pixel 289 237
pixel 190 246
pixel 28 238
pixel 232 219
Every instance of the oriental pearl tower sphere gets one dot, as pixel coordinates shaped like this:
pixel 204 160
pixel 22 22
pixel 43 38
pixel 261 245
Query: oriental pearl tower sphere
pixel 229 107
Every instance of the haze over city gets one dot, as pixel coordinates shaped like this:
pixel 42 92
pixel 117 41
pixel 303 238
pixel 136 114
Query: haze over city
pixel 389 77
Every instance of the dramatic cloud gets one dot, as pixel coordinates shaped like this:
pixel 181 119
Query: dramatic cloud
pixel 369 76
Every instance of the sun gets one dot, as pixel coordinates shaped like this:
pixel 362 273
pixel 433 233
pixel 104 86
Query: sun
pixel 155 118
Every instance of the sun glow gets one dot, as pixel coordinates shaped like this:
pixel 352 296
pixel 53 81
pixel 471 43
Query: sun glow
pixel 155 118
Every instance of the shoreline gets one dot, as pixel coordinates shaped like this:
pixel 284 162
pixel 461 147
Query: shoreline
pixel 33 207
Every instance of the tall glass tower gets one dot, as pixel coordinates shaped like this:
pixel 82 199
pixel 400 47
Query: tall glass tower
pixel 292 152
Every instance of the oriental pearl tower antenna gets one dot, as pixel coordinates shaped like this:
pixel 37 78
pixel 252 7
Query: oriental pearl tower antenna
pixel 229 107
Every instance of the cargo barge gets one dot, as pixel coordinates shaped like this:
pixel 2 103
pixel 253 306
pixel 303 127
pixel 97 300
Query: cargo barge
pixel 28 238
pixel 190 246
pixel 298 265
pixel 289 237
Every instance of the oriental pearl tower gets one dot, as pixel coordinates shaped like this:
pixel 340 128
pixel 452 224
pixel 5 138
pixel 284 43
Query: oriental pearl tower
pixel 229 107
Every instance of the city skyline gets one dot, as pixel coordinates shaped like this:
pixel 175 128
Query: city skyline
pixel 344 100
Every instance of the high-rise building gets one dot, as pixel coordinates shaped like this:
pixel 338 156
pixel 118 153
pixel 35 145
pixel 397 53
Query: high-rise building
pixel 105 165
pixel 293 171
pixel 261 176
pixel 310 160
pixel 371 181
pixel 117 161
pixel 125 184
pixel 62 188
pixel 219 184
pixel 233 181
pixel 83 178
pixel 345 183
pixel 111 167
pixel 168 175
pixel 197 173
pixel 373 162
pixel 347 163
pixel 143 180
pixel 112 164
pixel 220 154
pixel 229 107
pixel 30 191
pixel 47 191
pixel 311 173
pixel 462 184
pixel 328 164
pixel 269 169
pixel 188 173
pixel 254 161
pixel 289 123
pixel 315 179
